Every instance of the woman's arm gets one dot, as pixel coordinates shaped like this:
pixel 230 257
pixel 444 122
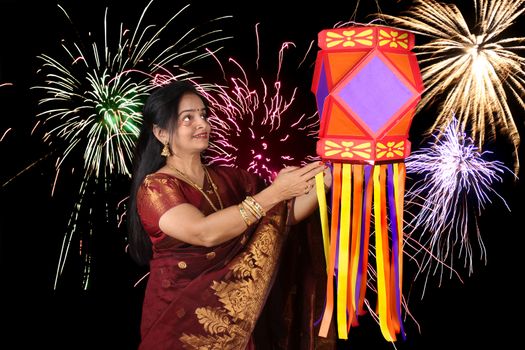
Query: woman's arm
pixel 186 223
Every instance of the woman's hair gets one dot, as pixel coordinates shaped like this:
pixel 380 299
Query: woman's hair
pixel 161 109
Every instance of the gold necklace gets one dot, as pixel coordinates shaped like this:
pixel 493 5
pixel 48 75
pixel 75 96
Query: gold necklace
pixel 189 181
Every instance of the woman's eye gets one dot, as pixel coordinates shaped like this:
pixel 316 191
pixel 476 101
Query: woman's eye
pixel 190 118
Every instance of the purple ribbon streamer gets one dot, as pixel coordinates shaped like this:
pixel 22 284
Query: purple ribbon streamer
pixel 364 224
pixel 395 241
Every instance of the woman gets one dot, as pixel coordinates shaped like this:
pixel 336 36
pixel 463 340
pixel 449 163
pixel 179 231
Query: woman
pixel 211 235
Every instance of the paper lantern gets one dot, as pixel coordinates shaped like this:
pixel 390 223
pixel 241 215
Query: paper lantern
pixel 367 84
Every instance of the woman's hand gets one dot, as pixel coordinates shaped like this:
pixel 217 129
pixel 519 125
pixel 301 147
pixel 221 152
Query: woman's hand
pixel 306 203
pixel 296 181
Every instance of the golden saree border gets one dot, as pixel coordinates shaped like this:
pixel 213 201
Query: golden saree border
pixel 243 290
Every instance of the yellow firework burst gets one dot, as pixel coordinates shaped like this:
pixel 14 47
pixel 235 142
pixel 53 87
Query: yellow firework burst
pixel 470 71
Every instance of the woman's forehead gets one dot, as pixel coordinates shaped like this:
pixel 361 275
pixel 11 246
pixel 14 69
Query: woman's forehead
pixel 191 103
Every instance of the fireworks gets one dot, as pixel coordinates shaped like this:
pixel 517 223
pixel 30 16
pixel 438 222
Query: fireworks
pixel 92 105
pixel 94 98
pixel 257 126
pixel 470 71
pixel 455 186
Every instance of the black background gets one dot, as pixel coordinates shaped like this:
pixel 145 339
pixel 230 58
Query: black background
pixel 482 309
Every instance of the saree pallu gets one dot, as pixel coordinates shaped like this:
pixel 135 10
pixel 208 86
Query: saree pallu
pixel 291 313
pixel 211 298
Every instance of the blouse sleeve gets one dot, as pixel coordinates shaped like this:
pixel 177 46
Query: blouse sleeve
pixel 157 194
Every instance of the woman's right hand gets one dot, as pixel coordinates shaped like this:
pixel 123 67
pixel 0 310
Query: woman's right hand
pixel 296 181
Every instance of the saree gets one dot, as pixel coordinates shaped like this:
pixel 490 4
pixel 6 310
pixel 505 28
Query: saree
pixel 207 297
pixel 290 318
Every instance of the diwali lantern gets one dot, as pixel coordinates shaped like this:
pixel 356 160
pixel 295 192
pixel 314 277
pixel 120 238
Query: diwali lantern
pixel 367 84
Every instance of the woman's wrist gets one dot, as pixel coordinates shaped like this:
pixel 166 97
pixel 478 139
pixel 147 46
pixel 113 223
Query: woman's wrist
pixel 269 197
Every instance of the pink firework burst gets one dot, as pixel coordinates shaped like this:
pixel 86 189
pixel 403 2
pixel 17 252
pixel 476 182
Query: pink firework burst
pixel 259 124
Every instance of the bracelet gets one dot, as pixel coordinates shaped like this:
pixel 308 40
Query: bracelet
pixel 256 205
pixel 244 216
pixel 251 209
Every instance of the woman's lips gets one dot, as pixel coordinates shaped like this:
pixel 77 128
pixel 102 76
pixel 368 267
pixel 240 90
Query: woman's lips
pixel 201 135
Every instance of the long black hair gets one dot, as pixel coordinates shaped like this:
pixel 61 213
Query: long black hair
pixel 160 109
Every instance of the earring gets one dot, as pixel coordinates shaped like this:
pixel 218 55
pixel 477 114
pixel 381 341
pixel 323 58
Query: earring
pixel 166 150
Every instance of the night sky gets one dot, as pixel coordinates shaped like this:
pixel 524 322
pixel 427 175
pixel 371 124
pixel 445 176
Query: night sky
pixel 468 314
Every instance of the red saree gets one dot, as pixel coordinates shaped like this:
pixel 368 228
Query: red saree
pixel 207 298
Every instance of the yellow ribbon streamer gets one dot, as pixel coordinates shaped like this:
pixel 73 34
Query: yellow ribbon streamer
pixel 323 212
pixel 334 224
pixel 343 252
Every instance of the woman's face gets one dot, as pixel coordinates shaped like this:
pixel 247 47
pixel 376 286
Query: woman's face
pixel 191 135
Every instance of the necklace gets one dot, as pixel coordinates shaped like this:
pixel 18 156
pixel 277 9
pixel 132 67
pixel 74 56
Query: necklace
pixel 189 181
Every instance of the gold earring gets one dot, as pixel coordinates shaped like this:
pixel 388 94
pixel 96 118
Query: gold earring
pixel 166 150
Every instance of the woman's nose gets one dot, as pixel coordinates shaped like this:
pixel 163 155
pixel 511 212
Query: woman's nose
pixel 200 123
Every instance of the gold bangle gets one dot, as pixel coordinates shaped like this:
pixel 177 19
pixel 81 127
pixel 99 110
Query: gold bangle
pixel 244 216
pixel 251 209
pixel 256 205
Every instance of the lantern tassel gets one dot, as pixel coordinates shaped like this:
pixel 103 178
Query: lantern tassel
pixel 356 191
